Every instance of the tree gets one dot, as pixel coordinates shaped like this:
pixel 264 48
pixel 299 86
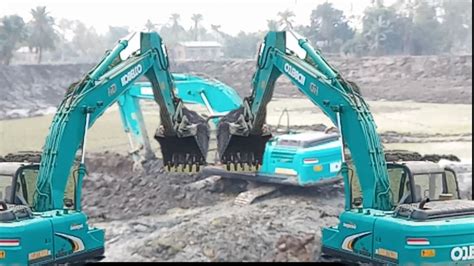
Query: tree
pixel 329 26
pixel 427 36
pixel 457 25
pixel 12 32
pixel 150 26
pixel 173 32
pixel 379 30
pixel 87 43
pixel 272 25
pixel 286 19
pixel 42 35
pixel 219 35
pixel 196 18
pixel 244 45
pixel 114 34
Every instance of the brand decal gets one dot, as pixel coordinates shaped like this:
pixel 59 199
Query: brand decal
pixel 131 74
pixel 349 225
pixel 313 88
pixel 76 227
pixel 387 253
pixel 294 73
pixel 39 254
pixel 112 89
pixel 462 253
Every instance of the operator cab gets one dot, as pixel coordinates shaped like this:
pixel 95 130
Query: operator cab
pixel 421 190
pixel 18 189
pixel 14 190
pixel 417 180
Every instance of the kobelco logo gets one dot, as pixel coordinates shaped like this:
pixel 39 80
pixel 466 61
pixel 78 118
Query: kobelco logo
pixel 294 73
pixel 462 253
pixel 133 73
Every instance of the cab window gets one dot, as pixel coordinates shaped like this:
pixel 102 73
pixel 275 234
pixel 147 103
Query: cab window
pixel 399 184
pixel 5 187
pixel 451 184
pixel 428 185
pixel 26 184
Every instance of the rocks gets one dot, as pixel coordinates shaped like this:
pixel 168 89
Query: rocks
pixel 113 188
pixel 292 248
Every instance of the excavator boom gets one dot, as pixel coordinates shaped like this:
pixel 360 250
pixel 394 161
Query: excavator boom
pixel 183 134
pixel 243 133
pixel 217 97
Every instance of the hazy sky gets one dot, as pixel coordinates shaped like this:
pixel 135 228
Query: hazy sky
pixel 232 15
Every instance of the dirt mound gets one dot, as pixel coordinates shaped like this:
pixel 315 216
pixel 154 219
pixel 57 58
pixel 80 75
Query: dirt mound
pixel 227 232
pixel 22 156
pixel 405 155
pixel 437 79
pixel 114 191
pixel 29 90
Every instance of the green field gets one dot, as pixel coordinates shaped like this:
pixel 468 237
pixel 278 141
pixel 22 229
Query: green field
pixel 107 133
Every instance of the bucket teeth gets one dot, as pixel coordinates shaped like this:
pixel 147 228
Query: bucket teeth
pixel 182 168
pixel 239 151
pixel 242 167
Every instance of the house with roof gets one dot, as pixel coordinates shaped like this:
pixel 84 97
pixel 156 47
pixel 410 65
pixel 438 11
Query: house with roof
pixel 197 50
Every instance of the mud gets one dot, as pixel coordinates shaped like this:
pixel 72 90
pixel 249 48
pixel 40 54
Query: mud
pixel 150 215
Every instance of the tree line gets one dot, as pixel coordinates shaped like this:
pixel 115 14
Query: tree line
pixel 407 27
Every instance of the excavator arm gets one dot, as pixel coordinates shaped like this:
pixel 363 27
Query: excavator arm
pixel 242 133
pixel 217 97
pixel 183 135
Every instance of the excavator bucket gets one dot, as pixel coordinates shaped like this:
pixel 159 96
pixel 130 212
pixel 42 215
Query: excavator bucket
pixel 186 154
pixel 239 152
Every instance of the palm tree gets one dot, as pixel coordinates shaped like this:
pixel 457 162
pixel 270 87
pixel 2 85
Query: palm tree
pixel 42 35
pixel 272 25
pixel 286 18
pixel 196 18
pixel 150 26
pixel 175 19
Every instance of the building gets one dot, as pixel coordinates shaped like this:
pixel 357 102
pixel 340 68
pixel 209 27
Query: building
pixel 197 50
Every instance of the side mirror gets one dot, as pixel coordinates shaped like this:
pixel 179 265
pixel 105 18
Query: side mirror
pixel 68 203
pixel 357 202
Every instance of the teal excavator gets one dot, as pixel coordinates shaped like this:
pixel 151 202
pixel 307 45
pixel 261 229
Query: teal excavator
pixel 406 213
pixel 40 212
pixel 395 213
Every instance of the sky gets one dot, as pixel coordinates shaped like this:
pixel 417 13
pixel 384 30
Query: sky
pixel 232 15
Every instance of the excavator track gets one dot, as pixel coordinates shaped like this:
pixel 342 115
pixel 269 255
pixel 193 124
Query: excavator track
pixel 246 198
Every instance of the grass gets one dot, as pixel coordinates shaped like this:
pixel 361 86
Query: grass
pixel 107 133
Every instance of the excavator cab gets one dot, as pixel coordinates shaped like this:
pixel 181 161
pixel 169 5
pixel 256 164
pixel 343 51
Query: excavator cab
pixel 412 182
pixel 17 181
pixel 18 185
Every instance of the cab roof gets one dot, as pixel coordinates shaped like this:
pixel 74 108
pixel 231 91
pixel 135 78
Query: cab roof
pixel 309 136
pixel 9 168
pixel 422 167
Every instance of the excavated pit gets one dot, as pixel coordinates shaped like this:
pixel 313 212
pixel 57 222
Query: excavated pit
pixel 159 216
